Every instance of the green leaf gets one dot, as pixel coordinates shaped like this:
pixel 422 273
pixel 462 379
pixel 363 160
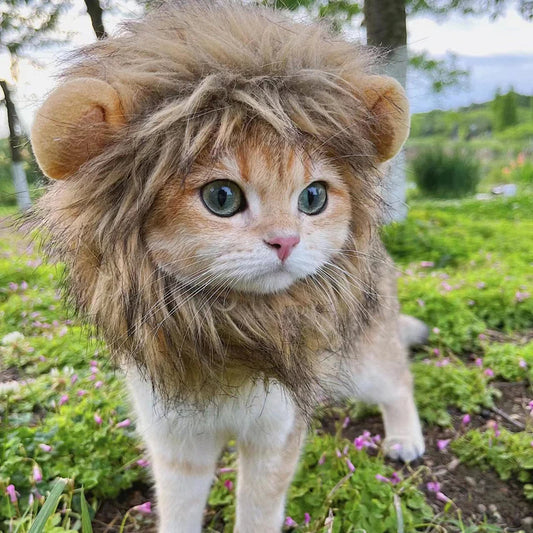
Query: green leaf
pixel 49 506
pixel 85 516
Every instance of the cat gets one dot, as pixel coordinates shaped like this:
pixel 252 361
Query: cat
pixel 217 206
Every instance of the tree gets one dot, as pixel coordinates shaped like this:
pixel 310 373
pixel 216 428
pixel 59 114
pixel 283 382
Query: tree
pixel 23 24
pixel 94 9
pixel 504 110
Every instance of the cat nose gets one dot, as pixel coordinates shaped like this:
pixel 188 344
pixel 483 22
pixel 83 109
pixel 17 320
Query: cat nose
pixel 283 245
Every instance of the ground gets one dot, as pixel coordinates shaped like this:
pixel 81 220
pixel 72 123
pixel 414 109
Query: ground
pixel 463 267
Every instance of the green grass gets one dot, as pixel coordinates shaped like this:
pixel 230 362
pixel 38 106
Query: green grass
pixel 465 269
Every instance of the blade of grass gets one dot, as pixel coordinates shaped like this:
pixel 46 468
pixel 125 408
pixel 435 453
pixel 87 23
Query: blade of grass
pixel 85 516
pixel 49 506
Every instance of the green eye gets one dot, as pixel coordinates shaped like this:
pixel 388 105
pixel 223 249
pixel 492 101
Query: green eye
pixel 223 198
pixel 313 198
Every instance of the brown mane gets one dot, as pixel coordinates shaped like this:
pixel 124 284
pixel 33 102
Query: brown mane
pixel 196 78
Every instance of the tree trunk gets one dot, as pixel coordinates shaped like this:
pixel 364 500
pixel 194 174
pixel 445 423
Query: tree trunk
pixel 386 28
pixel 17 168
pixel 95 12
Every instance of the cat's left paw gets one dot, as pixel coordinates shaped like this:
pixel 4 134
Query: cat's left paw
pixel 404 448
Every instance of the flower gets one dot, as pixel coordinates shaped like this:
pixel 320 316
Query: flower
pixel 433 486
pixel 442 444
pixel 289 522
pixel 521 296
pixel 144 463
pixel 530 405
pixel 522 364
pixel 98 384
pixel 346 422
pixel 420 302
pixel 228 484
pixel 45 447
pixel 12 338
pixel 381 478
pixel 442 497
pixel 351 467
pixel 436 351
pixel 465 420
pixel 37 474
pixel 322 459
pixel 12 493
pixel 338 453
pixel 307 518
pixel 97 418
pixel 73 379
pixel 124 423
pixel 478 362
pixel 489 372
pixel 81 392
pixel 436 331
pixel 145 508
pixel 481 284
pixel 395 478
pixel 63 400
pixel 427 264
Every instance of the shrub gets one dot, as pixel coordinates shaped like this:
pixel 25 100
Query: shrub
pixel 441 175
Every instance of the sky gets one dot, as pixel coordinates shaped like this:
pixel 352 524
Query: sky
pixel 498 54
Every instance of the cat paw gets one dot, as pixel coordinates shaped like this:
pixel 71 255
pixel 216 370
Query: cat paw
pixel 405 449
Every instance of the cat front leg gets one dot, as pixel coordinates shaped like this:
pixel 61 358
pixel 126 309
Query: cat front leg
pixel 183 454
pixel 267 458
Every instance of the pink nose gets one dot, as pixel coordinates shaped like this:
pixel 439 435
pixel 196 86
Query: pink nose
pixel 283 245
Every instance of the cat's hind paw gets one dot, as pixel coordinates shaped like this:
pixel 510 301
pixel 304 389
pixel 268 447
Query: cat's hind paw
pixel 405 448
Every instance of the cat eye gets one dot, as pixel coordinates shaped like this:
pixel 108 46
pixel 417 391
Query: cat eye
pixel 313 198
pixel 223 198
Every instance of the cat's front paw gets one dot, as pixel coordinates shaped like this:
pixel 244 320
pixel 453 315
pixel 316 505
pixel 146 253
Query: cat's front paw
pixel 404 448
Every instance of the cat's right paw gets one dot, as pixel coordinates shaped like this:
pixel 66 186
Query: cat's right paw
pixel 405 449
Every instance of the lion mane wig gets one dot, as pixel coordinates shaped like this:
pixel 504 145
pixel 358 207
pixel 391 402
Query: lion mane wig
pixel 138 111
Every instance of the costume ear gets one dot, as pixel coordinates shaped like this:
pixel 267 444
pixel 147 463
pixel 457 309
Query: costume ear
pixel 389 109
pixel 74 124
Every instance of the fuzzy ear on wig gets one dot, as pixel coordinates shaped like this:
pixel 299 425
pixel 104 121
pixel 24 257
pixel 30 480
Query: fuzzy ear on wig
pixel 387 103
pixel 74 125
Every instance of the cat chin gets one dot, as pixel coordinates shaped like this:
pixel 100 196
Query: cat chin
pixel 267 283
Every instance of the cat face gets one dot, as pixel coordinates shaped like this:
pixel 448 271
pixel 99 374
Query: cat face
pixel 257 220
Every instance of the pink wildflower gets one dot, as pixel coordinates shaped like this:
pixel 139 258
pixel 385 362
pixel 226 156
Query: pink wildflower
pixel 346 422
pixel 446 286
pixel 395 478
pixel 345 450
pixel 143 463
pixel 442 497
pixel 481 285
pixel 322 459
pixel 442 444
pixel 145 508
pixel 359 443
pixel 98 384
pixel 124 424
pixel 436 351
pixel 530 405
pixel 63 400
pixel 427 264
pixel 351 467
pixel 522 364
pixel 433 486
pixel 481 336
pixel 228 484
pixel 23 286
pixel 465 420
pixel 12 493
pixel 12 286
pixel 376 438
pixel 436 331
pixel 478 362
pixel 225 470
pixel 420 302
pixel 73 379
pixel 289 522
pixel 81 392
pixel 521 296
pixel 94 370
pixel 492 424
pixel 338 453
pixel 381 478
pixel 307 519
pixel 37 474
pixel 97 418
pixel 489 372
pixel 45 447
pixel 42 358
pixel 93 363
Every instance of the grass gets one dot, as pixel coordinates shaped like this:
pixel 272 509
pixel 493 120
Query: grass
pixel 464 268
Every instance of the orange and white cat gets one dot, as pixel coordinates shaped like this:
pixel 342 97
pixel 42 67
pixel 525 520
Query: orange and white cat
pixel 218 170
